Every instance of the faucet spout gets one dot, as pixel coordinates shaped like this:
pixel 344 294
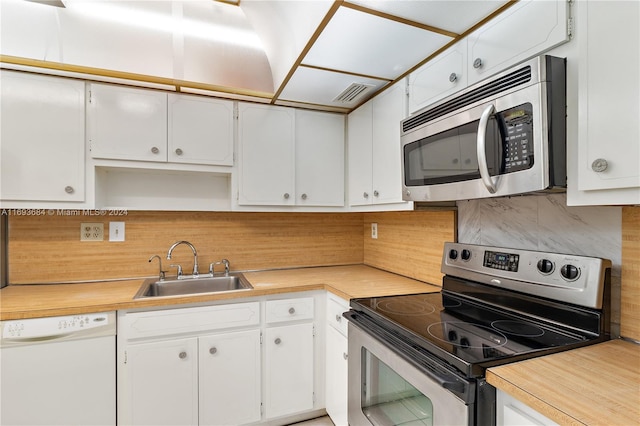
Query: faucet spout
pixel 193 249
pixel 161 273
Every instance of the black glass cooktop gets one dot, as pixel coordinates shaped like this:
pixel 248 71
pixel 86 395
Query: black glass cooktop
pixel 467 333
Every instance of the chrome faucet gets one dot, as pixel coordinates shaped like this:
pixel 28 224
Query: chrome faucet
pixel 193 249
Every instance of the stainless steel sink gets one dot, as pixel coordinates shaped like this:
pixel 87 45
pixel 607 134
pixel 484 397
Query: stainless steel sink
pixel 190 286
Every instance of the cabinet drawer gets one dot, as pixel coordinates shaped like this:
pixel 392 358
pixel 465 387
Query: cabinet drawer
pixel 188 320
pixel 289 310
pixel 335 309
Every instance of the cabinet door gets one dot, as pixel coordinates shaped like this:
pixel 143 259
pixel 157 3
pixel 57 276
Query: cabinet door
pixel 230 378
pixel 609 106
pixel 388 112
pixel 439 78
pixel 319 159
pixel 359 137
pixel 200 130
pixel 336 376
pixel 126 123
pixel 289 369
pixel 267 169
pixel 523 31
pixel 42 134
pixel 511 412
pixel 162 383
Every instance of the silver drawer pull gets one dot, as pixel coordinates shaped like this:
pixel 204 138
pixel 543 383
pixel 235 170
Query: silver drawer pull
pixel 338 318
pixel 292 311
pixel 277 341
pixel 182 355
pixel 155 150
pixel 213 351
pixel 178 151
pixel 345 355
pixel 69 189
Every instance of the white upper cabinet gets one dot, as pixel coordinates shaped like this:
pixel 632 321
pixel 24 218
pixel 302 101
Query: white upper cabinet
pixel 266 143
pixel 200 130
pixel 42 149
pixel 290 157
pixel 319 159
pixel 439 78
pixel 608 141
pixel 125 123
pixel 374 149
pixel 523 31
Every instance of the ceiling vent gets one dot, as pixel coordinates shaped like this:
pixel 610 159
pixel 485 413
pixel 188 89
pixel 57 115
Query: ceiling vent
pixel 353 92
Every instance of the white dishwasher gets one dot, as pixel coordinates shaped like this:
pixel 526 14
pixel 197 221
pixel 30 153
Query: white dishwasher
pixel 58 370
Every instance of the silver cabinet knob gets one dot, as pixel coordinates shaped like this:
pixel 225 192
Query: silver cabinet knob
pixel 182 355
pixel 292 311
pixel 286 195
pixel 155 150
pixel 365 195
pixel 304 196
pixel 376 193
pixel 213 350
pixel 338 318
pixel 178 151
pixel 477 63
pixel 599 165
pixel 277 341
pixel 345 355
pixel 69 189
pixel 453 77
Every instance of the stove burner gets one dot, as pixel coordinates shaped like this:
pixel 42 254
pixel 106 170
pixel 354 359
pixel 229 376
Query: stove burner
pixel 517 328
pixel 406 307
pixel 467 335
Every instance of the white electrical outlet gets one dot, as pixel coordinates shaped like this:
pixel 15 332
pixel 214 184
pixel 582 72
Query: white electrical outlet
pixel 116 231
pixel 91 231
pixel 374 231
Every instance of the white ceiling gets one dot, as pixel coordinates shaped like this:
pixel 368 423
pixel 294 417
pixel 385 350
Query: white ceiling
pixel 290 52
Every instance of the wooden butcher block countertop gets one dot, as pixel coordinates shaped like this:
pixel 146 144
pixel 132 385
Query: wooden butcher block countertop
pixel 353 281
pixel 593 385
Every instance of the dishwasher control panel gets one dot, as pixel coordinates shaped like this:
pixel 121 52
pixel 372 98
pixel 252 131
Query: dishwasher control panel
pixel 52 327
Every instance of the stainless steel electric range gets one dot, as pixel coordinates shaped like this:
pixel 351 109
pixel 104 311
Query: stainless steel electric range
pixel 421 358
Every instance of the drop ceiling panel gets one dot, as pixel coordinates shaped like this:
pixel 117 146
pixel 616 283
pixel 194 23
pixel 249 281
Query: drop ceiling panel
pixel 366 44
pixel 455 16
pixel 320 87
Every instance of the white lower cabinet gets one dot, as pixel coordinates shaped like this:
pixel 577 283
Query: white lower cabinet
pixel 336 360
pixel 288 369
pixel 247 362
pixel 511 412
pixel 229 387
pixel 162 383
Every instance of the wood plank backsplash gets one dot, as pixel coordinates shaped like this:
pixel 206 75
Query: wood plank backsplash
pixel 409 243
pixel 630 293
pixel 45 249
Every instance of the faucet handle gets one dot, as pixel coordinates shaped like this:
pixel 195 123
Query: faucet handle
pixel 179 270
pixel 224 262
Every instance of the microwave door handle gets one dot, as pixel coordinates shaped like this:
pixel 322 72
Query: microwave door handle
pixel 480 145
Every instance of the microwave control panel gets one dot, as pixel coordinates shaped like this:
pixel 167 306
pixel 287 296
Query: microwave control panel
pixel 518 137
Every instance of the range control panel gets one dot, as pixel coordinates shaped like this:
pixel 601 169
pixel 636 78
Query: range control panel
pixel 570 278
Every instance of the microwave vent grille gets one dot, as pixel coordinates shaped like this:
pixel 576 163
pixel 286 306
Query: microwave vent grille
pixel 506 82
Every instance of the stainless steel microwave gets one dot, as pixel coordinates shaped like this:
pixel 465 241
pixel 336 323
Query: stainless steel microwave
pixel 502 136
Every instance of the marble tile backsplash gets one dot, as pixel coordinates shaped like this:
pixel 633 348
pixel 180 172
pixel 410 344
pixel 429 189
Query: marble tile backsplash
pixel 546 223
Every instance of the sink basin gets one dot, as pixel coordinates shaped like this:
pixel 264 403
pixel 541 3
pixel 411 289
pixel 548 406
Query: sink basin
pixel 190 286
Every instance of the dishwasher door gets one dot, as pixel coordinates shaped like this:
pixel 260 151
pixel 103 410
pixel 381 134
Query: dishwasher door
pixel 58 371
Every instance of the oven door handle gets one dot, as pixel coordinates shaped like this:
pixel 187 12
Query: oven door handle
pixel 481 144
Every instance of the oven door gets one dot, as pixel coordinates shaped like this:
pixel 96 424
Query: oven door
pixel 384 388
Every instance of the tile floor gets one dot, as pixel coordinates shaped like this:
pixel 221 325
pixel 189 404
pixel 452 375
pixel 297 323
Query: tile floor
pixel 320 421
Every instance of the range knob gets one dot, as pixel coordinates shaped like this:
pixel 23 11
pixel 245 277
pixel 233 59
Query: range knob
pixel 545 266
pixel 466 254
pixel 464 342
pixel 570 272
pixel 452 335
pixel 453 254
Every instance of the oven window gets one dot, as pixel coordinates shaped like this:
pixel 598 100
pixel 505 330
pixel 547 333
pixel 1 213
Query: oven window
pixel 388 399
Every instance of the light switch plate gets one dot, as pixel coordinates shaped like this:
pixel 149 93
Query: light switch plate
pixel 116 231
